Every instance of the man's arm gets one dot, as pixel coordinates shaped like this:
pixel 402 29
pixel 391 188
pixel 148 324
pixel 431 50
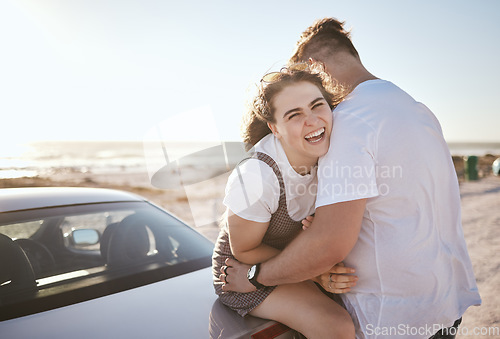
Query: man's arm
pixel 332 235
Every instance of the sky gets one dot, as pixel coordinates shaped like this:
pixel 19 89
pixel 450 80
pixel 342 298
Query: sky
pixel 117 69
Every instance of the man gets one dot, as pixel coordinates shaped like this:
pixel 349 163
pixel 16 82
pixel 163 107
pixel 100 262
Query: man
pixel 388 205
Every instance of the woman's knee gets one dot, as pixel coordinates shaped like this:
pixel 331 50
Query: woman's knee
pixel 327 319
pixel 305 308
pixel 335 322
pixel 343 327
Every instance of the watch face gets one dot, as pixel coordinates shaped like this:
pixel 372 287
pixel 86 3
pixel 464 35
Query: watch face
pixel 251 272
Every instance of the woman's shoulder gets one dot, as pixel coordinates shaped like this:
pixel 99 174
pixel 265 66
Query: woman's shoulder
pixel 255 172
pixel 252 183
pixel 254 168
pixel 262 156
pixel 266 145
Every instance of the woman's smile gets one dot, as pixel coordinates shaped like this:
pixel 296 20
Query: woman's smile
pixel 315 136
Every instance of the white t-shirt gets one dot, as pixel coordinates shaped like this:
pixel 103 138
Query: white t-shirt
pixel 252 190
pixel 411 257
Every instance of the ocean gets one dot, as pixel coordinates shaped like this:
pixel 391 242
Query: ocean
pixel 45 158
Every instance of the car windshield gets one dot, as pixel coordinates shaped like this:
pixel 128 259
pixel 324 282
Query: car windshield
pixel 80 252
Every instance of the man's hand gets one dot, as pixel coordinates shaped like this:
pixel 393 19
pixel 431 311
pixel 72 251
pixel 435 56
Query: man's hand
pixel 234 275
pixel 336 279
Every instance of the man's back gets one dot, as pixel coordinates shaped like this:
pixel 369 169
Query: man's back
pixel 410 256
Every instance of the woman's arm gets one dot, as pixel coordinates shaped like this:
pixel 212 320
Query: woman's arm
pixel 245 238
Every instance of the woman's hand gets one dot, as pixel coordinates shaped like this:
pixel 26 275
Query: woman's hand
pixel 234 276
pixel 336 279
pixel 306 223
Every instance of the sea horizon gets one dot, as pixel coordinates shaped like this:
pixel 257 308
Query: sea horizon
pixel 39 158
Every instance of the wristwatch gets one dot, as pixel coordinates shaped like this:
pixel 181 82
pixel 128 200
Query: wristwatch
pixel 252 274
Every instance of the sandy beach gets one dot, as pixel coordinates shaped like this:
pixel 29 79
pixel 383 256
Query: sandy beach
pixel 200 205
pixel 481 224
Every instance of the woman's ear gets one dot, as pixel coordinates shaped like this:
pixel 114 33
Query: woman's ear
pixel 273 129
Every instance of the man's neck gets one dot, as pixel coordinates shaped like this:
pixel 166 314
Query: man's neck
pixel 360 80
pixel 348 71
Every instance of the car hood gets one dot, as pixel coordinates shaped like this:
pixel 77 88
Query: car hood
pixel 175 308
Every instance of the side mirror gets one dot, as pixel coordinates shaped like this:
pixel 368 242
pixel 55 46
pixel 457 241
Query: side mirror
pixel 85 237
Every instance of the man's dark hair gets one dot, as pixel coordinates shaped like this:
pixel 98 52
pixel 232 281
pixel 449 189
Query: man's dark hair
pixel 324 37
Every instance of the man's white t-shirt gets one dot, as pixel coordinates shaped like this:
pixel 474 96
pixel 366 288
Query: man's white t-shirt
pixel 415 274
pixel 253 191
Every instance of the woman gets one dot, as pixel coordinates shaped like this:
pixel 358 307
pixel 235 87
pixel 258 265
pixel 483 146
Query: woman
pixel 289 125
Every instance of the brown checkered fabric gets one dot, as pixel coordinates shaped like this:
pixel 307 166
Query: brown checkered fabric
pixel 282 229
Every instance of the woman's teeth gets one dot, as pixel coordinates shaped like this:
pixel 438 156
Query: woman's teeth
pixel 316 135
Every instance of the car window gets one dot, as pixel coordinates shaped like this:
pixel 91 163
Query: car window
pixel 21 230
pixel 70 254
pixel 90 221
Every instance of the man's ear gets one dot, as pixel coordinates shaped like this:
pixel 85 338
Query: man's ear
pixel 273 129
pixel 316 65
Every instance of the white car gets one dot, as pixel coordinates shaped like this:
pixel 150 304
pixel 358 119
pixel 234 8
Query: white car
pixel 99 263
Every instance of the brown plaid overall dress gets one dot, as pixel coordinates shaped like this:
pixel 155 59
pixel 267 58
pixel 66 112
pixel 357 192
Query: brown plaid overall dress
pixel 282 229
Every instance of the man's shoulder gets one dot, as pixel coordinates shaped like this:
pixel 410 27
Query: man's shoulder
pixel 374 101
pixel 377 90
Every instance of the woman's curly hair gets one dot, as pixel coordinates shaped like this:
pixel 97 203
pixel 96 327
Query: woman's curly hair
pixel 261 110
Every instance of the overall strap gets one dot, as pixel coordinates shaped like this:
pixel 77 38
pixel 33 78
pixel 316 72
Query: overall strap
pixel 274 166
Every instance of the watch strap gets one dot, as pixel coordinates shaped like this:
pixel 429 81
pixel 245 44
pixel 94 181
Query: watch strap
pixel 253 280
